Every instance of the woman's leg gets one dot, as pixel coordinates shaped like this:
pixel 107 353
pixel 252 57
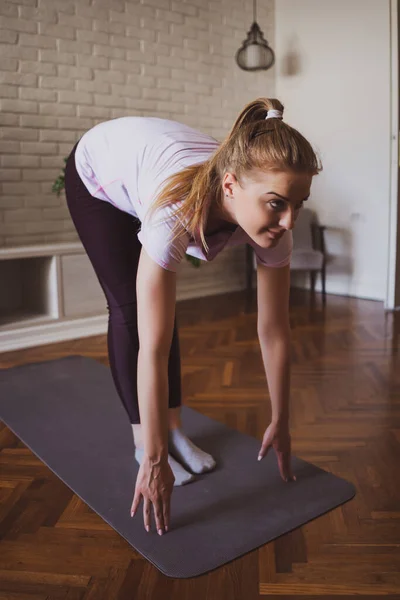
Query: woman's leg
pixel 109 238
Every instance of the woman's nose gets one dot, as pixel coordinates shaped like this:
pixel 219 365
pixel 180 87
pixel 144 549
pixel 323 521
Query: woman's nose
pixel 287 219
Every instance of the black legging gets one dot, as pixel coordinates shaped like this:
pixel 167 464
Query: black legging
pixel 109 236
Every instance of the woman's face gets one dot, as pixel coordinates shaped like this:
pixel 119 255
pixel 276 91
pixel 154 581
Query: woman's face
pixel 265 203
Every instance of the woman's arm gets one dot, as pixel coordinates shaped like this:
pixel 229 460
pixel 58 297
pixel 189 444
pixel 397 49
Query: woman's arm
pixel 274 335
pixel 273 328
pixel 156 298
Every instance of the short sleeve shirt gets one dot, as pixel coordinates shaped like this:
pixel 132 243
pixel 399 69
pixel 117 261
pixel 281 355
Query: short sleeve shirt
pixel 125 161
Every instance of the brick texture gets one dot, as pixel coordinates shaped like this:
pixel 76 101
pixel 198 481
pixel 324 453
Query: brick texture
pixel 67 65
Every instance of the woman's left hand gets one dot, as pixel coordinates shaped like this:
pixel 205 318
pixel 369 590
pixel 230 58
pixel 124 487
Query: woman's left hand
pixel 278 436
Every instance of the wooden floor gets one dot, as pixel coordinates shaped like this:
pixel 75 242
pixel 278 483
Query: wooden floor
pixel 345 418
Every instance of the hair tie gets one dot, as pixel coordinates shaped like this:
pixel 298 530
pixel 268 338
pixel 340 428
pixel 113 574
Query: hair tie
pixel 274 114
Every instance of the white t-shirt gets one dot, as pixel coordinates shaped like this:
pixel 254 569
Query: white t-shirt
pixel 126 160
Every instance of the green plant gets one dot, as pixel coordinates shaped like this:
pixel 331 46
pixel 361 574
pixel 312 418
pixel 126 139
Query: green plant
pixel 59 185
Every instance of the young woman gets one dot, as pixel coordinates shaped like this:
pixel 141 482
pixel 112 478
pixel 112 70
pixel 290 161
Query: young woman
pixel 142 192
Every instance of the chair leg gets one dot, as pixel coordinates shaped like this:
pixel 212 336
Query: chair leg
pixel 312 291
pixel 323 274
pixel 312 279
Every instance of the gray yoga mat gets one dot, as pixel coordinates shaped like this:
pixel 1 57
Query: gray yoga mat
pixel 68 413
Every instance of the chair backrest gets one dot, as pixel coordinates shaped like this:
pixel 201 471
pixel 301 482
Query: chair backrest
pixel 302 231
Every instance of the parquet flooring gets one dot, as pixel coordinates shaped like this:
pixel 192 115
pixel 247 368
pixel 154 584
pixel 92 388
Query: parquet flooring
pixel 345 417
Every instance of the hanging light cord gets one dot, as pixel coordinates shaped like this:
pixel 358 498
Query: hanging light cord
pixel 254 12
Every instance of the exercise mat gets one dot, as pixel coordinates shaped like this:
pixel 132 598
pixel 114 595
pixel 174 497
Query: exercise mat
pixel 68 413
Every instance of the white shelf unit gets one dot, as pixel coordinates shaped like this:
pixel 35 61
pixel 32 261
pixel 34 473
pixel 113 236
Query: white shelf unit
pixel 48 293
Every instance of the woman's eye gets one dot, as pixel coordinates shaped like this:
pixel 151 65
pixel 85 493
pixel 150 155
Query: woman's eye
pixel 280 205
pixel 277 204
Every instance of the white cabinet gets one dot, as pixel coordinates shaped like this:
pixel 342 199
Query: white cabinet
pixel 50 293
pixel 82 293
pixel 28 291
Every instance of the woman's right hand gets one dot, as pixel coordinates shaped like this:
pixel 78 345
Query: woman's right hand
pixel 155 482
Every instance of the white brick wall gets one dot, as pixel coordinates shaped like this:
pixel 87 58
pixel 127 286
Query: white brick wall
pixel 67 65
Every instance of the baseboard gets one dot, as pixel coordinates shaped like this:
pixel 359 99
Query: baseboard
pixel 52 333
pixel 70 329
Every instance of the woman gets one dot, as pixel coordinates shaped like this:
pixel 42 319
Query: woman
pixel 144 191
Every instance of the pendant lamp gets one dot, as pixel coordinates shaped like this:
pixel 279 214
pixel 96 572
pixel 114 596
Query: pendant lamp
pixel 255 54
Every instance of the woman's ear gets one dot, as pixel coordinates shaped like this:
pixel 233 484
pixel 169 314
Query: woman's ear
pixel 228 181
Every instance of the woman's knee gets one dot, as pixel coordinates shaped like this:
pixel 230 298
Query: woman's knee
pixel 123 314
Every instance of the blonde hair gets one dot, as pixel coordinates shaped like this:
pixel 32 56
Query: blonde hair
pixel 246 147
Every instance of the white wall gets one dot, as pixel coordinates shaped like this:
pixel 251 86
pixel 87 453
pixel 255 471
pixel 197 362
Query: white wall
pixel 333 76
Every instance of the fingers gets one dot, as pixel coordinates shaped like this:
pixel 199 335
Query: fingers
pixel 285 466
pixel 166 512
pixel 146 514
pixel 156 489
pixel 263 451
pixel 283 463
pixel 159 516
pixel 265 446
pixel 266 442
pixel 135 503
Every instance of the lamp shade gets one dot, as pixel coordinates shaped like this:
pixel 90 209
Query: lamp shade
pixel 255 54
